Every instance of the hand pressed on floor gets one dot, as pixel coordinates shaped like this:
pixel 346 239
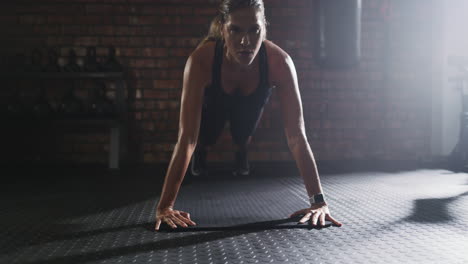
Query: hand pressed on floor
pixel 173 218
pixel 316 213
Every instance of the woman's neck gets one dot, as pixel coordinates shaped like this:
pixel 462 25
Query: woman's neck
pixel 235 66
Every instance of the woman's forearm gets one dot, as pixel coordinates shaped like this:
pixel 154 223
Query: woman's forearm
pixel 305 162
pixel 175 174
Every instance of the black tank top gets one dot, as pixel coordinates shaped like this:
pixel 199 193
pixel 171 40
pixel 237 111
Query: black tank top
pixel 255 100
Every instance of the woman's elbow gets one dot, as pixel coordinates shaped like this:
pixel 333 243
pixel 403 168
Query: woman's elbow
pixel 187 141
pixel 296 139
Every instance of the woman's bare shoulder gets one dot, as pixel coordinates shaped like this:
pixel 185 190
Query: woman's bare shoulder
pixel 274 52
pixel 199 65
pixel 203 55
pixel 279 62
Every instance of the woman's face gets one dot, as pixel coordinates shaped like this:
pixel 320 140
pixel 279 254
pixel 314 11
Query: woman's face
pixel 243 34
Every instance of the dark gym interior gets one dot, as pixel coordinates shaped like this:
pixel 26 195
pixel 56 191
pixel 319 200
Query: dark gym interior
pixel 90 102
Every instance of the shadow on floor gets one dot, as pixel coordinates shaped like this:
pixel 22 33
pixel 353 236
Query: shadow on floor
pixel 217 233
pixel 288 223
pixel 34 197
pixel 433 210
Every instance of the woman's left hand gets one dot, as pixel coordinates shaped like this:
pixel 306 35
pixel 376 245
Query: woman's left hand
pixel 316 213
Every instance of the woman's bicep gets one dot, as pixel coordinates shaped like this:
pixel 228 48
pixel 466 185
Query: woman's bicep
pixel 290 98
pixel 194 82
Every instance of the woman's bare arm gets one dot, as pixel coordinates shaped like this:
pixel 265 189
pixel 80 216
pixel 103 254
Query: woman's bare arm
pixel 196 76
pixel 285 78
pixel 292 116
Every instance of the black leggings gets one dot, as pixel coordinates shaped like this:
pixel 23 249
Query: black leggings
pixel 243 115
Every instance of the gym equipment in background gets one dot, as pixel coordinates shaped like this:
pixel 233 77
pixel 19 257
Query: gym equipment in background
pixel 72 65
pixel 99 105
pixel 52 62
pixel 71 106
pixel 112 64
pixel 459 155
pixel 337 33
pixel 91 64
pixel 41 107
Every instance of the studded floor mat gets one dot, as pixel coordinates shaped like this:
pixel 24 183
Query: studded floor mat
pixel 418 216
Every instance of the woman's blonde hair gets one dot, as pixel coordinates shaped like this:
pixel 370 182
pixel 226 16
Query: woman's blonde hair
pixel 225 9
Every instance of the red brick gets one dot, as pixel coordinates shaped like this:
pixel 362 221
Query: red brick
pixel 143 84
pixel 102 30
pixel 124 30
pixel 107 8
pixel 179 10
pixel 160 126
pixel 138 116
pixel 80 20
pixel 32 19
pixel 86 41
pixel 150 74
pixel 155 94
pixel 195 20
pixel 142 63
pixel 155 52
pixel 174 104
pixel 129 52
pixel 57 41
pixel 300 3
pixel 165 42
pixel 177 62
pixel 148 125
pixel 114 41
pixel 87 148
pixel 292 12
pixel 47 30
pixel 157 115
pixel 176 74
pixel 306 54
pixel 140 41
pixel 175 94
pixel 151 10
pixel 167 84
pixel 121 20
pixel 205 11
pixel 76 30
pixel 162 63
pixel 143 20
pixel 260 155
pixel 281 156
pixel 151 158
pixel 173 115
pixel 188 42
pixel 181 52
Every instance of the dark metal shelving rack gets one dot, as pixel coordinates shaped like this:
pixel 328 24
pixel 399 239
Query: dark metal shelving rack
pixel 117 123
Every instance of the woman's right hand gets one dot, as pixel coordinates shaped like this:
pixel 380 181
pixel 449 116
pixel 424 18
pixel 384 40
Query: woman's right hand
pixel 172 218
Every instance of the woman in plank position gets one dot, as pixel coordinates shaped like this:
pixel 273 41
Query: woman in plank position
pixel 230 76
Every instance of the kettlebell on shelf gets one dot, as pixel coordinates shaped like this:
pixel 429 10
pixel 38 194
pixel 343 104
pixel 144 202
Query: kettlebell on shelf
pixel 52 63
pixel 70 106
pixel 72 65
pixel 99 105
pixel 91 64
pixel 36 61
pixel 112 64
pixel 41 108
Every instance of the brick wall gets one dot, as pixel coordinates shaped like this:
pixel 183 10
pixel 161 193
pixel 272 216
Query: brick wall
pixel 379 110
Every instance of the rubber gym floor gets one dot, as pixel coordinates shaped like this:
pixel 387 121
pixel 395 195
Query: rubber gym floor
pixel 91 215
